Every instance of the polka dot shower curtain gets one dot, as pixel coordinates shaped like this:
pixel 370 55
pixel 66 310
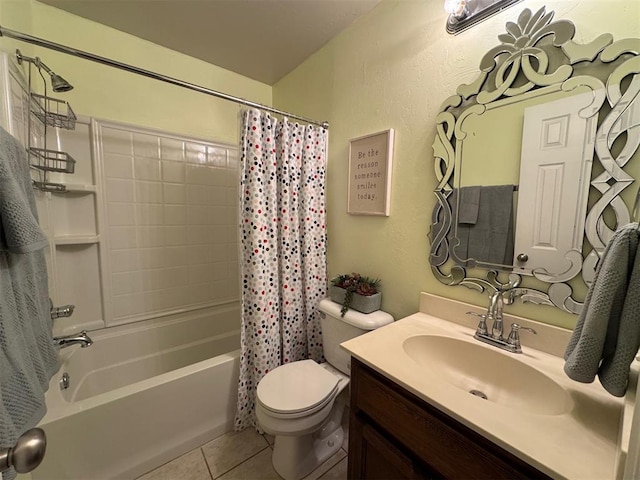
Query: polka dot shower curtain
pixel 283 248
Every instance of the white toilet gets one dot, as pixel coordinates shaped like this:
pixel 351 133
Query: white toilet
pixel 301 403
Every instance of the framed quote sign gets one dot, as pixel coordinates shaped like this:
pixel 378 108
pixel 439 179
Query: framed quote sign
pixel 369 191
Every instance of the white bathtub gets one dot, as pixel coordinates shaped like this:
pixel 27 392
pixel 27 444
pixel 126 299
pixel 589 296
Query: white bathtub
pixel 141 395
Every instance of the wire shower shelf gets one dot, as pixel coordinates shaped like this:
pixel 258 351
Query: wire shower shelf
pixel 52 160
pixel 53 112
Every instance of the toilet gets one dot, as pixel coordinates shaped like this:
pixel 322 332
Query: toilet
pixel 301 403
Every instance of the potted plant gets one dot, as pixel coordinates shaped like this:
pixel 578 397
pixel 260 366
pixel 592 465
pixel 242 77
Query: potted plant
pixel 357 292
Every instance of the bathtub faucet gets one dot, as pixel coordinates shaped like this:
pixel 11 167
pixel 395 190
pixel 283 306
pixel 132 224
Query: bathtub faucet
pixel 81 339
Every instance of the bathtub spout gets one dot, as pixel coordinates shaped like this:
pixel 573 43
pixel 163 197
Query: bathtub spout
pixel 81 339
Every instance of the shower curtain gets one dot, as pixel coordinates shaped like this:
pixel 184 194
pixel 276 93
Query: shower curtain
pixel 283 248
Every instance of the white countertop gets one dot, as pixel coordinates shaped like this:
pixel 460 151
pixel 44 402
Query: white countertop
pixel 582 443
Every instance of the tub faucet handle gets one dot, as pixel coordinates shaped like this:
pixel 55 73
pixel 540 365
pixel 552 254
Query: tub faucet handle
pixel 64 311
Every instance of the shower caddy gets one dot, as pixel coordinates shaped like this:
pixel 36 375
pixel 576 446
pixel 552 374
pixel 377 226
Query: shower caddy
pixel 41 112
pixel 51 112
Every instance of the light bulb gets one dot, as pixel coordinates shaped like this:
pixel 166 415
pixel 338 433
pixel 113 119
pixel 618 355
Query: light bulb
pixel 457 8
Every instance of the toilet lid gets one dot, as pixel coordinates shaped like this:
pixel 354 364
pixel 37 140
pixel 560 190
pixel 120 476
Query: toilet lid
pixel 296 387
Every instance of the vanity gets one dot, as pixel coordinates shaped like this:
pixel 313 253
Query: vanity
pixel 430 401
pixel 395 434
pixel 520 215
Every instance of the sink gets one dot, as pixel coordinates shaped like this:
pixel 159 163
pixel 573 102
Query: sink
pixel 489 374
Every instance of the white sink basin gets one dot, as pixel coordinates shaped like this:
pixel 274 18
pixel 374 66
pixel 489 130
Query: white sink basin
pixel 489 374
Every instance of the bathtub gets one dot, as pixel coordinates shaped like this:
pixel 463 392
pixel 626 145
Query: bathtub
pixel 142 395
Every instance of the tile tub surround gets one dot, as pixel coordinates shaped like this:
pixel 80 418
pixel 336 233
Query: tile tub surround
pixel 582 443
pixel 170 220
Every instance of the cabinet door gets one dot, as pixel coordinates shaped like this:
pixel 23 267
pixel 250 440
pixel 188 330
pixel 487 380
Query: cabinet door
pixel 379 457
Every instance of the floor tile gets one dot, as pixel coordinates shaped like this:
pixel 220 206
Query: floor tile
pixel 190 466
pixel 339 472
pixel 269 438
pixel 257 467
pixel 231 449
pixel 327 465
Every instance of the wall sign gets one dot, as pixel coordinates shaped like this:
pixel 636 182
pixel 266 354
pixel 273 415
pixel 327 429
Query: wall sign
pixel 369 191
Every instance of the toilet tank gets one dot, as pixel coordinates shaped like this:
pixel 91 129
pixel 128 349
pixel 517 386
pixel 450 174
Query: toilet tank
pixel 337 329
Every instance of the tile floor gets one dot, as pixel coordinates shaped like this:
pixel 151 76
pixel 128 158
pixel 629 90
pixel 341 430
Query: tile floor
pixel 242 455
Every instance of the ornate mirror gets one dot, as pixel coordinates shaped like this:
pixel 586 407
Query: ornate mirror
pixel 534 162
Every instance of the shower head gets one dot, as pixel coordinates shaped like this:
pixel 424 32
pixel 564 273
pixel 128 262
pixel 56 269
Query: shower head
pixel 58 84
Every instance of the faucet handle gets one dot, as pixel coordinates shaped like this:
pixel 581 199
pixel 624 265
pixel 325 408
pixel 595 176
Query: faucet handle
pixel 514 336
pixel 64 311
pixel 516 327
pixel 482 325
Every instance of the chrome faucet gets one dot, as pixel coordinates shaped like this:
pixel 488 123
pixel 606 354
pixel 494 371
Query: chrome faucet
pixel 494 312
pixel 81 339
pixel 494 315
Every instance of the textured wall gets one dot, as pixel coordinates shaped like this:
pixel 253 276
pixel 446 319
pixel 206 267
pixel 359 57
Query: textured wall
pixel 393 68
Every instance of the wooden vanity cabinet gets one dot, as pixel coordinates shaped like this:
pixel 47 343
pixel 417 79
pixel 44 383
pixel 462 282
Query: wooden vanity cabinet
pixel 394 434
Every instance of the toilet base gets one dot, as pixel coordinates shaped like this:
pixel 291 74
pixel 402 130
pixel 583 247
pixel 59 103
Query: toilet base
pixel 294 457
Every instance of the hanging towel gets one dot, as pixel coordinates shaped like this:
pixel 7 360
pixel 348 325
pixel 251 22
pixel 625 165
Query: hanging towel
pixel 28 358
pixel 469 205
pixel 19 229
pixel 491 238
pixel 607 334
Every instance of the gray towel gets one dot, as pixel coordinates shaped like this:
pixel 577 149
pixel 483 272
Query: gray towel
pixel 19 229
pixel 491 238
pixel 469 205
pixel 28 358
pixel 607 334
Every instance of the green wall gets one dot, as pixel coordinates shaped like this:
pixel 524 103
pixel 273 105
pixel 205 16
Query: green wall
pixel 392 69
pixel 108 93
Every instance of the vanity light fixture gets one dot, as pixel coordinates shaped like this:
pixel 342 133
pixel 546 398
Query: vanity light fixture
pixel 464 14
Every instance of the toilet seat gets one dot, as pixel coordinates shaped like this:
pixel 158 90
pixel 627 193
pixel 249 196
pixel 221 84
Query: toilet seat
pixel 297 389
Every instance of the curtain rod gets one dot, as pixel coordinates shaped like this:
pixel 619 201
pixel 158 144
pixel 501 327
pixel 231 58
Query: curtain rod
pixel 5 32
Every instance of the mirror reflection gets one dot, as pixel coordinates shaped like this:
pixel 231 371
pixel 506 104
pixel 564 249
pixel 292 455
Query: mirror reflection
pixel 519 152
